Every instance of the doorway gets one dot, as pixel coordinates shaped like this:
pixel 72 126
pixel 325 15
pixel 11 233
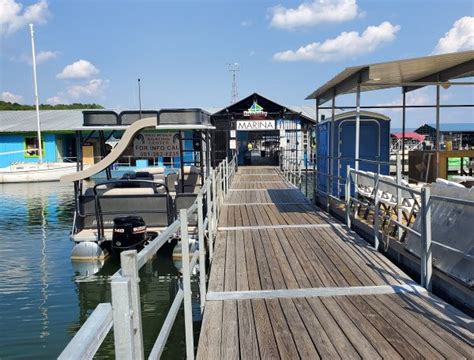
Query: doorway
pixel 259 147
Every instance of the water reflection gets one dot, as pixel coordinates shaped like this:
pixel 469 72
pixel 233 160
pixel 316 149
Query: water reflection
pixel 45 298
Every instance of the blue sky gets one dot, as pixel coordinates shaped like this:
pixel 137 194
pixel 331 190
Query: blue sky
pixel 94 51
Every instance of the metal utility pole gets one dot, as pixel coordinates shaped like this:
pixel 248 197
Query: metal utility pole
pixel 139 98
pixel 234 69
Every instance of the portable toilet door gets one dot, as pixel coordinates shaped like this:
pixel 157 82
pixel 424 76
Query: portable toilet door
pixel 374 146
pixel 322 145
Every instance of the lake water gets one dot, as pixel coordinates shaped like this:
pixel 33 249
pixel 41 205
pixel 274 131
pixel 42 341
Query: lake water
pixel 44 300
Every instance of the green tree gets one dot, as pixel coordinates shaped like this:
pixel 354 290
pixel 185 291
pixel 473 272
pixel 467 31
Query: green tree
pixel 75 106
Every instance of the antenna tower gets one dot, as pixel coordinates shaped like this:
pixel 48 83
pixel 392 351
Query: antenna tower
pixel 234 69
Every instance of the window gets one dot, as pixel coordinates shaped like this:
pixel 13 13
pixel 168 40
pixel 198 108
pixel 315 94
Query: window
pixel 31 147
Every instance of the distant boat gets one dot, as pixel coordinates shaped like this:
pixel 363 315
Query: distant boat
pixel 35 172
pixel 40 171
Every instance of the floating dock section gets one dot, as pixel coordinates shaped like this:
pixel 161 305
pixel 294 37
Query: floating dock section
pixel 289 281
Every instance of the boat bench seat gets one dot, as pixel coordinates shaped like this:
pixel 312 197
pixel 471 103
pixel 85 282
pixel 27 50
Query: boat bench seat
pixel 155 209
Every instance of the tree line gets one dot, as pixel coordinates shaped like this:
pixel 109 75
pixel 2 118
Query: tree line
pixel 4 105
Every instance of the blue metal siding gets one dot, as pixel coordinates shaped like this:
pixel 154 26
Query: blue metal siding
pixel 323 152
pixel 16 143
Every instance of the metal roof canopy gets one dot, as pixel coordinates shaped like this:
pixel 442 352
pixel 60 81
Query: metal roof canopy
pixel 408 73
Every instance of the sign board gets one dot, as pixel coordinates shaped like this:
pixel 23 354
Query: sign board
pixel 232 134
pixel 156 144
pixel 232 144
pixel 255 112
pixel 255 125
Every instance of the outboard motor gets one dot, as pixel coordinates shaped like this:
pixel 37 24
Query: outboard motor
pixel 129 234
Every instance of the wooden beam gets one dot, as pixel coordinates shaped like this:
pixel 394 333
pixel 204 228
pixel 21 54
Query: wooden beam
pixel 263 227
pixel 315 292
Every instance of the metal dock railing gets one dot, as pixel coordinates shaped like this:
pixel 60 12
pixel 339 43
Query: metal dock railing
pixel 124 313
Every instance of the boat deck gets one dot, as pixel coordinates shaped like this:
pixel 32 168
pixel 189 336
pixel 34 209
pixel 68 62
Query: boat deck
pixel 289 281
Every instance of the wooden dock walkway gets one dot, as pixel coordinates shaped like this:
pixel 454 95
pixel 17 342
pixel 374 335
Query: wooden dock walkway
pixel 289 281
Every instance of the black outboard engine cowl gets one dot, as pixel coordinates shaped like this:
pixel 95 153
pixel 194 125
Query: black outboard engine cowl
pixel 129 233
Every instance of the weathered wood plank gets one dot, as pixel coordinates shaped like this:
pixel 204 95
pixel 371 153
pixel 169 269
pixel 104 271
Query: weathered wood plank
pixel 277 242
pixel 210 338
pixel 266 339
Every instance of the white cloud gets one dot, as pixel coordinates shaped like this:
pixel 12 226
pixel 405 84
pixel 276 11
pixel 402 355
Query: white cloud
pixel 460 37
pixel 347 44
pixel 418 97
pixel 41 57
pixel 78 70
pixel 245 23
pixel 10 97
pixel 44 56
pixel 55 100
pixel 314 13
pixel 92 88
pixel 12 16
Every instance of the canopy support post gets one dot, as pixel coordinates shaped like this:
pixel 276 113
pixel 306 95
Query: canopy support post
pixel 437 130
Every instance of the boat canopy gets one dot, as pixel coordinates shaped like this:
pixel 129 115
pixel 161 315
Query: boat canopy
pixel 165 119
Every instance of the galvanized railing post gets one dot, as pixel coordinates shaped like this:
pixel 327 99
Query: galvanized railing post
pixel 399 195
pixel 214 200
pixel 202 254
pixel 376 212
pixel 218 191
pixel 188 315
pixel 209 213
pixel 226 175
pixel 306 174
pixel 315 179
pixel 348 196
pixel 221 185
pixel 128 261
pixel 224 171
pixel 123 321
pixel 426 255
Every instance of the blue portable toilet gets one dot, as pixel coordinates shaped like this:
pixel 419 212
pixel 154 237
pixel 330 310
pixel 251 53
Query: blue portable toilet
pixel 374 145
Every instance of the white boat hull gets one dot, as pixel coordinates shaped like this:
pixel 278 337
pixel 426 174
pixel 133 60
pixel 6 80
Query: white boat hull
pixel 34 172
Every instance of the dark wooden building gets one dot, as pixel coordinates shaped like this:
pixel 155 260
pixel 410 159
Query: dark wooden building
pixel 257 129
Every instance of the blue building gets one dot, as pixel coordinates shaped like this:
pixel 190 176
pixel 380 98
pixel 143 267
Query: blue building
pixel 18 135
pixel 18 140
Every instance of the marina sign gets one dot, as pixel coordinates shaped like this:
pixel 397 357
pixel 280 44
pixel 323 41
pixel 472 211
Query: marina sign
pixel 255 112
pixel 152 145
pixel 255 125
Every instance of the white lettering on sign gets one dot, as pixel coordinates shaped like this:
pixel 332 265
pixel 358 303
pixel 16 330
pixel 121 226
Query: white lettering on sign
pixel 153 145
pixel 254 125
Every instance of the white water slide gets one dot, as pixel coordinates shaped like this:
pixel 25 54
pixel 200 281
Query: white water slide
pixel 116 152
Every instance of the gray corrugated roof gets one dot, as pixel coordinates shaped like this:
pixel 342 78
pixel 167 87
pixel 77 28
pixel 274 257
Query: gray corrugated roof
pixel 442 67
pixel 51 120
pixel 70 120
